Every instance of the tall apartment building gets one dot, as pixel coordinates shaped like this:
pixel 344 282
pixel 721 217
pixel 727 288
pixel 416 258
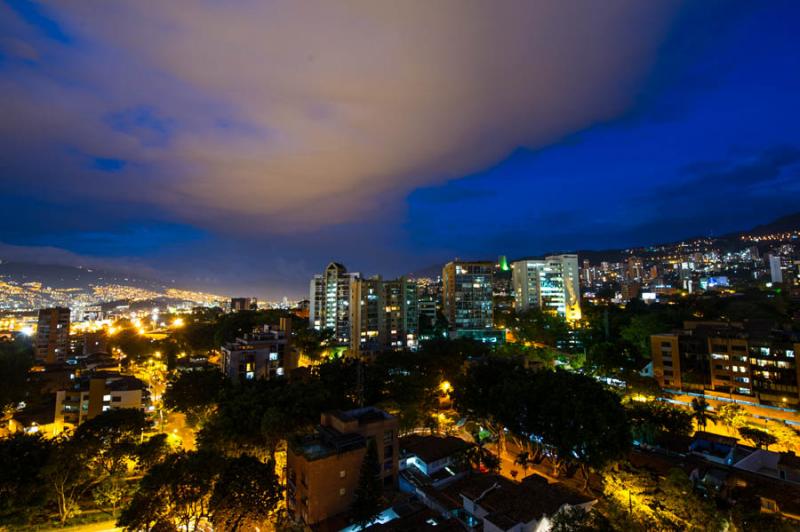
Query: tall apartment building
pixel 402 310
pixel 52 335
pixel 748 360
pixel 551 284
pixel 365 314
pixel 262 354
pixel 330 300
pixel 368 316
pixel 322 470
pixel 775 271
pixel 467 297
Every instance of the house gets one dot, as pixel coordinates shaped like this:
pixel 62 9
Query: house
pixel 433 460
pixel 502 505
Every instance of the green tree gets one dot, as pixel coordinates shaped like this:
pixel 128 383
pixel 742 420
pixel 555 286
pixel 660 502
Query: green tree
pixel 175 491
pixel 732 415
pixel 523 459
pixel 152 451
pixel 195 394
pixel 640 328
pixel 66 475
pixel 760 438
pixel 651 419
pixel 368 501
pixel 245 495
pixel 701 412
pixel 112 491
pixel 113 437
pixel 540 327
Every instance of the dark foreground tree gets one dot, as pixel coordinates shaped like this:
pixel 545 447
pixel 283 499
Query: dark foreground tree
pixel 22 457
pixel 176 491
pixel 245 495
pixel 368 501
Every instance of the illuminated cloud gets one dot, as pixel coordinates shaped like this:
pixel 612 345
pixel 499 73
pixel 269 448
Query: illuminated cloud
pixel 284 116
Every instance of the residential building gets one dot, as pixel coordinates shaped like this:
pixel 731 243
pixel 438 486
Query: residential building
pixel 495 503
pixel 745 360
pixel 323 469
pixel 467 290
pixel 431 461
pixel 330 303
pixel 243 303
pixel 551 284
pixel 402 311
pixel 262 354
pixel 366 315
pixel 95 393
pixel 775 271
pixel 52 335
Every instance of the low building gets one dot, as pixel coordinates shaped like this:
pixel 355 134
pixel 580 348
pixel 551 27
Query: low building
pixel 431 461
pixel 323 469
pixel 500 504
pixel 95 393
pixel 749 361
pixel 263 354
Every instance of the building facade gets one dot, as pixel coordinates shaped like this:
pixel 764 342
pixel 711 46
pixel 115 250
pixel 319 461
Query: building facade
pixel 243 303
pixel 263 354
pixel 330 302
pixel 365 315
pixel 467 296
pixel 551 284
pixel 95 393
pixel 52 335
pixel 744 360
pixel 322 470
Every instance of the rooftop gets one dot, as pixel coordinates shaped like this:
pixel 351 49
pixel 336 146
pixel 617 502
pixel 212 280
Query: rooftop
pixel 508 502
pixel 432 448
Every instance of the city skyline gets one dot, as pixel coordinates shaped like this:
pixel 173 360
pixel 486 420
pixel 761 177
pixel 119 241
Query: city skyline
pixel 253 158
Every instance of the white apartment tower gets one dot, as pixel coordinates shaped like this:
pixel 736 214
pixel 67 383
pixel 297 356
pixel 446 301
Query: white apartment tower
pixel 551 284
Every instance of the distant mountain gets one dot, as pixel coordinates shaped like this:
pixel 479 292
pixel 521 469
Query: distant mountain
pixel 790 222
pixel 60 276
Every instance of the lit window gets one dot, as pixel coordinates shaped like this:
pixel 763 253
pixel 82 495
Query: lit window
pixel 342 473
pixel 342 491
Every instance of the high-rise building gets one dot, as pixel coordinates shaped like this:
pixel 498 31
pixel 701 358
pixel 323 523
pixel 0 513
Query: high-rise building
pixel 366 314
pixel 634 269
pixel 52 335
pixel 402 310
pixel 467 296
pixel 244 303
pixel 551 284
pixel 329 302
pixel 775 272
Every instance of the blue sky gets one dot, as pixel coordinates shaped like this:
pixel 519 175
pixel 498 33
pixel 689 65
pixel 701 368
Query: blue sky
pixel 388 140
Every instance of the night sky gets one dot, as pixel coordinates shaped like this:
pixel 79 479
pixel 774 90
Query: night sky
pixel 240 146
